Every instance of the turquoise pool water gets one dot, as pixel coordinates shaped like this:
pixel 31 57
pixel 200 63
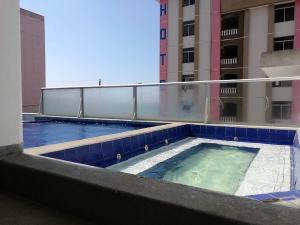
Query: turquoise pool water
pixel 210 166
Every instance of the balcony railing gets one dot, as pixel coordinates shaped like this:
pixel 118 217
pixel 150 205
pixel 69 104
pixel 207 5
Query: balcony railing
pixel 203 102
pixel 229 61
pixel 229 32
pixel 229 91
pixel 228 119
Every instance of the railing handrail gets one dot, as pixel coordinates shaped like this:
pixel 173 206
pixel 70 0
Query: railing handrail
pixel 297 78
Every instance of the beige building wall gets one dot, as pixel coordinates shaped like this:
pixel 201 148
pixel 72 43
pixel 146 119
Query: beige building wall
pixel 258 43
pixel 205 40
pixel 33 59
pixel 173 49
pixel 10 75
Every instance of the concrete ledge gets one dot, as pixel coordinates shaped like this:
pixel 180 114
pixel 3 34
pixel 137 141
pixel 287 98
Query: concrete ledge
pixel 281 63
pixel 10 150
pixel 111 197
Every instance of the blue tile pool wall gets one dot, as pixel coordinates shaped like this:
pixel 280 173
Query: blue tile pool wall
pixel 98 121
pixel 280 196
pixel 256 135
pixel 105 154
pixel 296 161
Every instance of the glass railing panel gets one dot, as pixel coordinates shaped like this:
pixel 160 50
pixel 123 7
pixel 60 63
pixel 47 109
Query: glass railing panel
pixel 255 103
pixel 109 102
pixel 61 102
pixel 177 102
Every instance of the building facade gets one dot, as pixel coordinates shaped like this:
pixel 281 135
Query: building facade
pixel 224 40
pixel 32 58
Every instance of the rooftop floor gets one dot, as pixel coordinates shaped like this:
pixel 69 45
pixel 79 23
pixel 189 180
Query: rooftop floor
pixel 18 210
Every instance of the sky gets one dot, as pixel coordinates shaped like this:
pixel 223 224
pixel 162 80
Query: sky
pixel 116 41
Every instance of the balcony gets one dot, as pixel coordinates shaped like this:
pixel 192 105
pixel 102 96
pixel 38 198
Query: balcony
pixel 230 25
pixel 228 90
pixel 228 119
pixel 229 32
pixel 229 61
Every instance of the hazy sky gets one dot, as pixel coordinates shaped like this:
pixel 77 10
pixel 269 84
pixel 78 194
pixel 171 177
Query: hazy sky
pixel 115 40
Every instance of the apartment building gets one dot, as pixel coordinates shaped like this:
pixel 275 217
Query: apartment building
pixel 32 59
pixel 224 40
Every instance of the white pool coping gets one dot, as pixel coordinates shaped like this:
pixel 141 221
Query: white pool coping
pixel 270 171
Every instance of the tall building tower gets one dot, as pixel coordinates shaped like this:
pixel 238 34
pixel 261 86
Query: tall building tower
pixel 33 59
pixel 224 40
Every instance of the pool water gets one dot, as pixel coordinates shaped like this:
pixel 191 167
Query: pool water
pixel 210 166
pixel 38 134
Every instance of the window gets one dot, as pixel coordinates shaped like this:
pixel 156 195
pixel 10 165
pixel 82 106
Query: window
pixel 283 43
pixel 282 84
pixel 188 55
pixel 189 28
pixel 188 2
pixel 281 110
pixel 284 13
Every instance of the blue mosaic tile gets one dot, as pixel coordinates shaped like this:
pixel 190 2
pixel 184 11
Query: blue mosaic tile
pixel 261 197
pixel 202 131
pixel 283 136
pixel 220 132
pixel 289 199
pixel 210 131
pixel 127 145
pixel 149 139
pixel 230 132
pixel 177 132
pixel 243 139
pixel 296 193
pixel 263 135
pixel 282 194
pixel 135 142
pixel 71 155
pixel 164 134
pixel 118 146
pixel 292 134
pixel 187 130
pixel 252 133
pixel 273 136
pixel 82 154
pixel 95 163
pixel 241 132
pixel 95 152
pixel 57 155
pixel 107 150
pixel 142 140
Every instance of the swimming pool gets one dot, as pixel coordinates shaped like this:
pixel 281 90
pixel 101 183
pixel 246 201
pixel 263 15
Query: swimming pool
pixel 52 132
pixel 210 166
pixel 241 160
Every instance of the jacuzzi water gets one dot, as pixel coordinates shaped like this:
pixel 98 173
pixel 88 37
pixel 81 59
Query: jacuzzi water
pixel 210 166
pixel 45 133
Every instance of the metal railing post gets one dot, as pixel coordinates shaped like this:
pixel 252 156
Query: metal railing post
pixel 81 103
pixel 135 103
pixel 41 108
pixel 207 103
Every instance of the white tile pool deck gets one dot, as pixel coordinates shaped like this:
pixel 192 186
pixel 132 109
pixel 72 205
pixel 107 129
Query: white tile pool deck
pixel 270 171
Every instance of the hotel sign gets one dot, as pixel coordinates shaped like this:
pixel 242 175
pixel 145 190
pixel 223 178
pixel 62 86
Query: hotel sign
pixel 163 40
